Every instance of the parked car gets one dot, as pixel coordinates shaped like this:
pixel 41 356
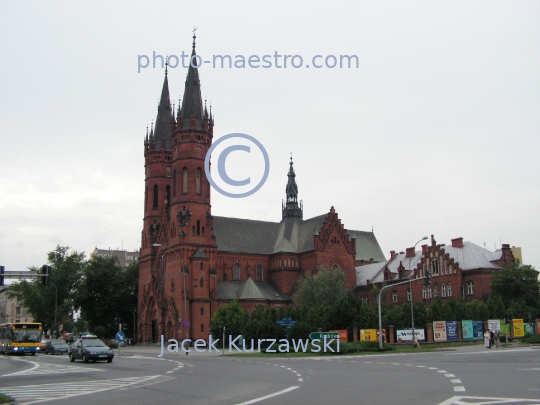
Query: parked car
pixel 56 346
pixel 90 349
pixel 43 344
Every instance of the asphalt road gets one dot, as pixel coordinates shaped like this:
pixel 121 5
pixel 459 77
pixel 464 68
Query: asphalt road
pixel 461 376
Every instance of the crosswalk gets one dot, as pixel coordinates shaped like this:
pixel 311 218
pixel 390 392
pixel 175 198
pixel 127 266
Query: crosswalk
pixel 47 369
pixel 33 394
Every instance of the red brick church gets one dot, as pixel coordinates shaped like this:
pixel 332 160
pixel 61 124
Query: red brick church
pixel 192 262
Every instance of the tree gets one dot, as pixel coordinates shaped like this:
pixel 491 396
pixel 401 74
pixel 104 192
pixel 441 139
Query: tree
pixel 325 287
pixel 436 310
pixel 233 317
pixel 519 289
pixel 66 271
pixel 107 294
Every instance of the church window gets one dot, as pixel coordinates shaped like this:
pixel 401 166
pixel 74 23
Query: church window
pixel 168 194
pixel 198 228
pixel 174 183
pixel 202 327
pixel 201 282
pixel 198 181
pixel 155 196
pixel 184 180
pixel 168 170
pixel 449 289
pixel 236 271
pixel 259 273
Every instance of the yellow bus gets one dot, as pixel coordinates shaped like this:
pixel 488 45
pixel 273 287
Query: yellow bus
pixel 20 338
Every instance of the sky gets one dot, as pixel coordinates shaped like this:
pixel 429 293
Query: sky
pixel 435 131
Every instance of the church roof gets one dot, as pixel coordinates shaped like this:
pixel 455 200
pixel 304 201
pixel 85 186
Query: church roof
pixel 292 235
pixel 192 102
pixel 199 254
pixel 249 290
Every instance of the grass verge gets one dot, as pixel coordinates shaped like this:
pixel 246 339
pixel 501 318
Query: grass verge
pixel 4 399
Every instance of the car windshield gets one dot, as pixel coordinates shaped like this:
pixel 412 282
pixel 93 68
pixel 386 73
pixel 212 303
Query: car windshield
pixel 25 335
pixel 94 343
pixel 58 342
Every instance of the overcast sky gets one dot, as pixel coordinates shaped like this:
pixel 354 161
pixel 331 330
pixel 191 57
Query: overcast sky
pixel 436 132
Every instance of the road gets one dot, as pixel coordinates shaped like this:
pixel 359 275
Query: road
pixel 464 375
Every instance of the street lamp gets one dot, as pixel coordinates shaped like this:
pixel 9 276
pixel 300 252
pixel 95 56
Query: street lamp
pixel 55 303
pixel 380 317
pixel 410 287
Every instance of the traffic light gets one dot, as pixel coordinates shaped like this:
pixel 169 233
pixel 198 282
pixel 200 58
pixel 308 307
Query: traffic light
pixel 2 270
pixel 427 281
pixel 46 271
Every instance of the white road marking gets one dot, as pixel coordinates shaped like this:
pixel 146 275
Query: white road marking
pixel 449 375
pixel 459 400
pixel 275 394
pixel 442 371
pixel 455 381
pixel 33 394
pixel 459 388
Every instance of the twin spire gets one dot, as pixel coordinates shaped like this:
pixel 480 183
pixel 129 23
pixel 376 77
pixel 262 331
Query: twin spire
pixel 291 207
pixel 191 108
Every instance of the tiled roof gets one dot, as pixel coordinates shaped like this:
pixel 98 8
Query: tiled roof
pixel 250 290
pixel 292 235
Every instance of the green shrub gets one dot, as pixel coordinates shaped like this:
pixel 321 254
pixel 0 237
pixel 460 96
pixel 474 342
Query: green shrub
pixel 4 399
pixel 535 339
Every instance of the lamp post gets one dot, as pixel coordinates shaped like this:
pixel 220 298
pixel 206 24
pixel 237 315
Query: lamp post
pixel 55 303
pixel 410 287
pixel 380 317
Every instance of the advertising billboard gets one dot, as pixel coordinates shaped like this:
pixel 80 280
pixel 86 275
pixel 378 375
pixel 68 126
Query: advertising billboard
pixel 452 330
pixel 343 335
pixel 518 327
pixel 439 331
pixel 368 335
pixel 467 330
pixel 494 324
pixel 406 334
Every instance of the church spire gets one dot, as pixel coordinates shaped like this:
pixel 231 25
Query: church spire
pixel 192 101
pixel 162 131
pixel 292 208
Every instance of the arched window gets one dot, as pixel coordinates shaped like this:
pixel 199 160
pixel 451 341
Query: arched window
pixel 449 290
pixel 259 273
pixel 408 295
pixel 198 181
pixel 424 294
pixel 155 196
pixel 174 183
pixel 470 288
pixel 236 271
pixel 443 290
pixel 168 194
pixel 198 228
pixel 184 180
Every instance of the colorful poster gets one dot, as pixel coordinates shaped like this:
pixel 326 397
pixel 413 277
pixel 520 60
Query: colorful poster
pixel 452 330
pixel 494 324
pixel 439 331
pixel 343 335
pixel 385 336
pixel 529 329
pixel 467 330
pixel 538 326
pixel 505 329
pixel 478 330
pixel 519 329
pixel 406 334
pixel 368 335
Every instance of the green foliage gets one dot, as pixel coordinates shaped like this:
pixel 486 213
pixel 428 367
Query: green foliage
pixel 234 318
pixel 477 310
pixel 100 331
pixel 496 307
pixel 533 339
pixel 65 278
pixel 107 294
pixel 518 287
pixel 326 287
pixel 4 399
pixel 435 310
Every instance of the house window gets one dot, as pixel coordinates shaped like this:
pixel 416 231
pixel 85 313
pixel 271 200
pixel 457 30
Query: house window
pixel 443 290
pixel 470 288
pixel 449 290
pixel 17 310
pixel 259 273
pixel 236 271
pixel 394 296
pixel 424 295
pixel 429 291
pixel 435 268
pixel 435 291
pixel 408 295
pixel 184 180
pixel 198 181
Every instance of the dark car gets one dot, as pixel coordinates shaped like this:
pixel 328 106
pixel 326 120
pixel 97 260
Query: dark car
pixel 90 349
pixel 69 338
pixel 56 346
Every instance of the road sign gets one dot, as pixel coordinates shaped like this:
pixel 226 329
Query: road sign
pixel 186 324
pixel 120 336
pixel 288 322
pixel 320 335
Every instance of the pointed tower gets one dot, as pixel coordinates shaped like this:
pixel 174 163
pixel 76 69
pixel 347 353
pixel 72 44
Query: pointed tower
pixel 291 208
